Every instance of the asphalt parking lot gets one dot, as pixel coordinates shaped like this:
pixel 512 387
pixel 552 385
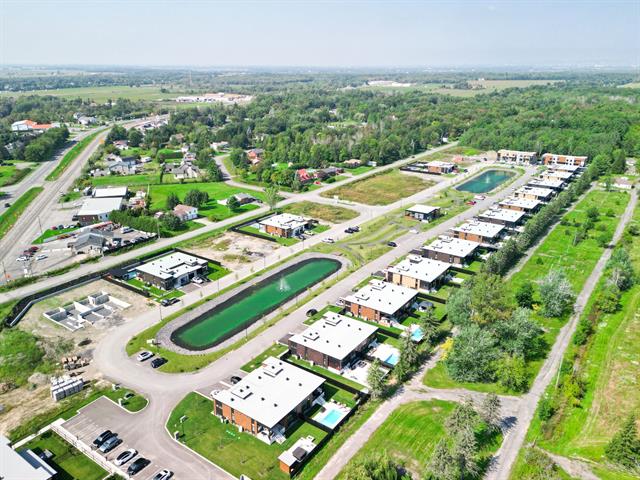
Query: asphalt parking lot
pixel 103 415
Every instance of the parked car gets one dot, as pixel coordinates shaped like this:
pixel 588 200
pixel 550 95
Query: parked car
pixel 413 230
pixel 163 475
pixel 126 229
pixel 471 202
pixel 7 205
pixel 328 240
pixel 125 456
pixel 158 362
pixel 138 465
pixel 42 256
pixel 34 248
pixel 311 312
pixel 479 197
pixel 392 244
pixel 349 230
pixel 110 443
pixel 22 258
pixel 198 280
pixel 173 300
pixel 355 228
pixel 104 436
pixel 144 355
pixel 235 379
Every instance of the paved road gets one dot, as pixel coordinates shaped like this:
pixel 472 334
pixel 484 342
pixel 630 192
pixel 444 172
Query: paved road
pixel 514 439
pixel 27 226
pixel 166 390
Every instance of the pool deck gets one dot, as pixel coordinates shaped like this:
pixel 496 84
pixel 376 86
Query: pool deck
pixel 164 335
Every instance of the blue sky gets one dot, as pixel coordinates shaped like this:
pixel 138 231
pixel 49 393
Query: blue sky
pixel 321 32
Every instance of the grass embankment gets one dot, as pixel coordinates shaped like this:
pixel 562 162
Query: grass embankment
pixel 12 214
pixel 380 189
pixel 10 174
pixel 328 213
pixel 410 434
pixel 236 452
pixel 69 463
pixel 71 155
pixel 53 233
pixel 131 401
pixel 557 251
pixel 609 374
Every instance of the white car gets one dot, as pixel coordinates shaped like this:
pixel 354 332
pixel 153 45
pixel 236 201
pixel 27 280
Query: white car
pixel 42 256
pixel 198 280
pixel 144 355
pixel 479 197
pixel 414 230
pixel 163 475
pixel 328 240
pixel 125 456
pixel 22 258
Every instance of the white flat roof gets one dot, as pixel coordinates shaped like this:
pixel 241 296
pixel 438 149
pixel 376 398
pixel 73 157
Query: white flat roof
pixel 285 221
pixel 485 229
pixel 24 465
pixel 504 214
pixel 172 265
pixel 546 183
pixel 537 191
pixel 453 246
pixel 384 297
pixel 270 392
pixel 98 206
pixel 438 163
pixel 562 174
pixel 424 269
pixel 563 166
pixel 425 209
pixel 110 192
pixel 521 203
pixel 335 335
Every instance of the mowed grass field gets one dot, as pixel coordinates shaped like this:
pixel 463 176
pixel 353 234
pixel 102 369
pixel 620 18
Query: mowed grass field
pixel 555 252
pixel 611 374
pixel 102 94
pixel 410 434
pixel 488 86
pixel 320 211
pixel 382 189
pixel 212 209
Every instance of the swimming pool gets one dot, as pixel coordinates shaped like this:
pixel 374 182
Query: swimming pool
pixel 486 181
pixel 392 359
pixel 331 418
pixel 417 335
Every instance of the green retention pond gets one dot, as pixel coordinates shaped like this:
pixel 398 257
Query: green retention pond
pixel 486 181
pixel 241 310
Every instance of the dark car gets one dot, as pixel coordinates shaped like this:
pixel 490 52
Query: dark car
pixel 392 244
pixel 103 437
pixel 173 300
pixel 7 205
pixel 235 379
pixel 164 302
pixel 349 230
pixel 311 312
pixel 110 443
pixel 158 362
pixel 138 465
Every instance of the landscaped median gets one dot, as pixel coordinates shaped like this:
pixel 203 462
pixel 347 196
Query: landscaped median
pixel 71 155
pixel 12 214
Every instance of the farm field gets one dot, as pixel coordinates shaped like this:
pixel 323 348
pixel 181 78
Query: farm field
pixel 380 189
pixel 410 434
pixel 321 211
pixel 610 377
pixel 489 86
pixel 102 94
pixel 555 252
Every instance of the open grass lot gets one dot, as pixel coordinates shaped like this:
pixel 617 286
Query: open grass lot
pixel 410 434
pixel 156 293
pixel 126 180
pixel 328 373
pixel 67 461
pixel 134 402
pixel 11 215
pixel 611 374
pixel 285 241
pixel 102 94
pixel 52 233
pixel 484 86
pixel 328 213
pixel 236 452
pixel 383 189
pixel 359 170
pixel 212 209
pixel 10 174
pixel 273 351
pixel 70 156
pixel 556 251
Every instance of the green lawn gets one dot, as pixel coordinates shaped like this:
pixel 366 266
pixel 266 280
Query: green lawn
pixel 327 373
pixel 410 434
pixel 556 251
pixel 321 211
pixel 126 180
pixel 70 463
pixel 273 351
pixel 11 215
pixel 52 233
pixel 236 452
pixel 10 174
pixel 101 94
pixel 134 403
pixel 359 170
pixel 156 293
pixel 71 155
pixel 609 373
pixel 381 189
pixel 286 241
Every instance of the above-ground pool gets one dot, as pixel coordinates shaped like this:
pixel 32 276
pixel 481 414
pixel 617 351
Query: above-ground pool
pixel 244 308
pixel 486 181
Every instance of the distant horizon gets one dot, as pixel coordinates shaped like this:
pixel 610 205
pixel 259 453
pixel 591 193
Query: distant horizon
pixel 319 34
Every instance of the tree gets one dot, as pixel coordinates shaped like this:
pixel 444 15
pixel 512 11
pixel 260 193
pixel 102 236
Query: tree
pixel 556 294
pixel 458 306
pixel 463 418
pixel 473 355
pixel 214 173
pixel 524 295
pixel 624 447
pixel 172 201
pixel 464 452
pixel 134 137
pixel 489 299
pixel 196 198
pixel 490 411
pixel 375 379
pixel 519 335
pixel 429 325
pixel 408 358
pixel 377 466
pixel 609 298
pixel 512 373
pixel 622 271
pixel 232 203
pixel 271 196
pixel 441 464
pixel 171 222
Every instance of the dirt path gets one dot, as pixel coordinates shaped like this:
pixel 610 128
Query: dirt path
pixel 574 467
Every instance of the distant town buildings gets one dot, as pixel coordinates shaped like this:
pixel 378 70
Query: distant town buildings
pixel 516 156
pixel 31 126
pixel 553 158
pixel 220 97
